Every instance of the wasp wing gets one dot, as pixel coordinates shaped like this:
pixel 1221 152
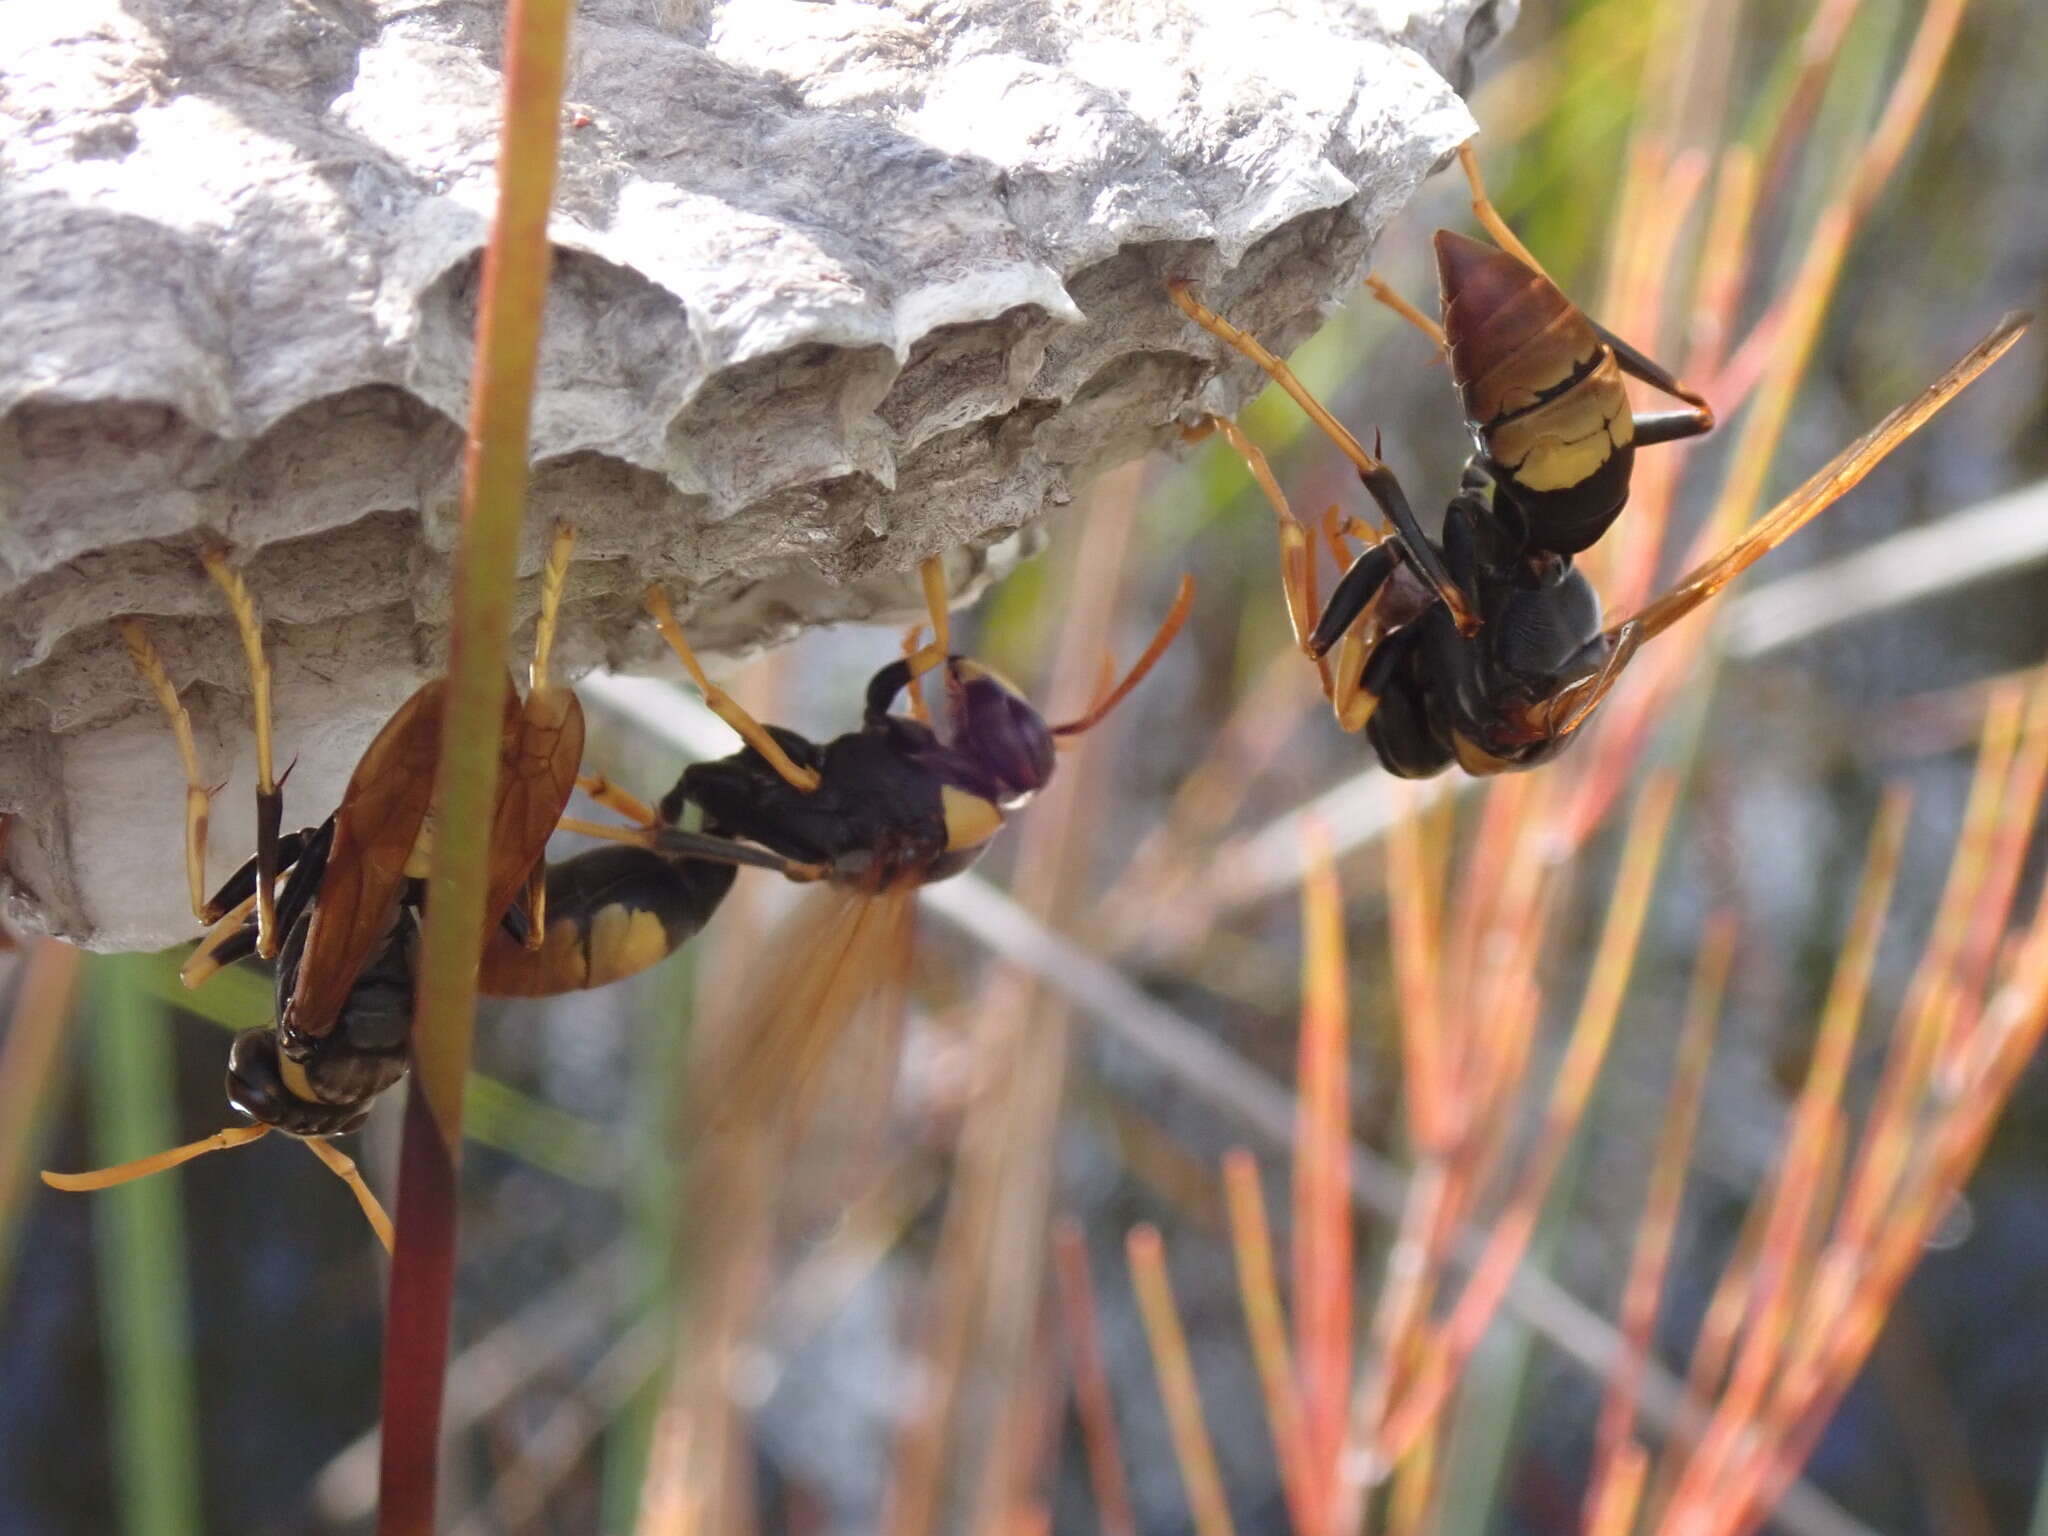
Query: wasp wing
pixel 543 751
pixel 1825 488
pixel 798 1076
pixel 376 828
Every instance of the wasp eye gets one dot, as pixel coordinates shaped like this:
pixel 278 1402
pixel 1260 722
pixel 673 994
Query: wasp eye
pixel 1001 732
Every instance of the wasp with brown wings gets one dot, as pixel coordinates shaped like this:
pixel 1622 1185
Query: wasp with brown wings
pixel 338 906
pixel 1486 648
pixel 874 814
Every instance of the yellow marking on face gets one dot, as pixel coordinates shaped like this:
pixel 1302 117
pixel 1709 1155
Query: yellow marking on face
pixel 296 1082
pixel 970 820
pixel 624 943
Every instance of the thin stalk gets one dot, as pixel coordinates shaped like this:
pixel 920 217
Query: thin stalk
pixel 1092 1400
pixel 1323 1265
pixel 1584 1056
pixel 515 277
pixel 1177 1389
pixel 1613 1439
pixel 1265 1324
pixel 31 1064
pixel 143 1302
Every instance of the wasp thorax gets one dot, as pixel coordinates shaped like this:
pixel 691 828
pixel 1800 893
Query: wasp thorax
pixel 1000 730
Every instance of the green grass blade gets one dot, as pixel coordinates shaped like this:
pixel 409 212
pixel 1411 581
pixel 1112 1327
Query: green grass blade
pixel 141 1254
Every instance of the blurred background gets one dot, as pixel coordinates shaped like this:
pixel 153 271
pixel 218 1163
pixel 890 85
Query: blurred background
pixel 200 1352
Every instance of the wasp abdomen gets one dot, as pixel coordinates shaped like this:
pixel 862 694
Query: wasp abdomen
pixel 611 913
pixel 1541 389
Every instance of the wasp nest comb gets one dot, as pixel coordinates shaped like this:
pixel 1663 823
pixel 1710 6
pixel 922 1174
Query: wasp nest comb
pixel 838 286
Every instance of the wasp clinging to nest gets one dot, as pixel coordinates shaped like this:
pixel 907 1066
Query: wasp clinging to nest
pixel 1487 648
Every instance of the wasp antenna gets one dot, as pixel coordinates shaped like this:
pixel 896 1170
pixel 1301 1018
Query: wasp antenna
pixel 143 1167
pixel 343 1167
pixel 1175 617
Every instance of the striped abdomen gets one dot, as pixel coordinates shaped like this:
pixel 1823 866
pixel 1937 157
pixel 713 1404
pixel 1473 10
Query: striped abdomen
pixel 1541 389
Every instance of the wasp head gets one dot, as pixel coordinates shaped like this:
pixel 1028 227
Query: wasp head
pixel 999 730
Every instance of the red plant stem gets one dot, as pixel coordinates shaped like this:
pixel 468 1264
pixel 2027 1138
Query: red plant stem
pixel 1091 1382
pixel 515 277
pixel 422 1267
pixel 1460 1334
pixel 1266 1325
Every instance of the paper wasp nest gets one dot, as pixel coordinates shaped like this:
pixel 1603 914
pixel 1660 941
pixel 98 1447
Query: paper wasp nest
pixel 838 286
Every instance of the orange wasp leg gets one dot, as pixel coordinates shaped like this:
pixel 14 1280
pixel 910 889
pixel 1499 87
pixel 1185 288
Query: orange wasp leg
pixel 1379 480
pixel 932 575
pixel 269 797
pixel 723 704
pixel 541 700
pixel 1380 290
pixel 613 798
pixel 198 797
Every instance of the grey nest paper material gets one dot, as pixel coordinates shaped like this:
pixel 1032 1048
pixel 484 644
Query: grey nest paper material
pixel 837 287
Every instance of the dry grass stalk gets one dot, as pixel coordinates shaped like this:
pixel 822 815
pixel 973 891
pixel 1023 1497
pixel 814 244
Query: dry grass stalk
pixel 1265 1324
pixel 1177 1388
pixel 1818 1292
pixel 1092 1400
pixel 1615 1452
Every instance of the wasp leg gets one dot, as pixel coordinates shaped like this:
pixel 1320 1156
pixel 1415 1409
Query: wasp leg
pixel 1572 705
pixel 1355 592
pixel 553 577
pixel 1386 490
pixel 198 798
pixel 1658 426
pixel 1241 341
pixel 228 940
pixel 1365 670
pixel 269 797
pixel 1489 216
pixel 723 704
pixel 1380 290
pixel 613 798
pixel 912 641
pixel 1297 554
pixel 674 843
pixel 932 574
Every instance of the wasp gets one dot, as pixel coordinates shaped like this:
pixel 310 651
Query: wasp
pixel 872 814
pixel 1487 648
pixel 338 906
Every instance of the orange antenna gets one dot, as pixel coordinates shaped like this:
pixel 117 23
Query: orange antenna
pixel 1175 617
pixel 156 1162
pixel 342 1166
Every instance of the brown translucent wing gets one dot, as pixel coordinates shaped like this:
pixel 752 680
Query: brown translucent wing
pixel 375 830
pixel 797 1078
pixel 543 750
pixel 1825 488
